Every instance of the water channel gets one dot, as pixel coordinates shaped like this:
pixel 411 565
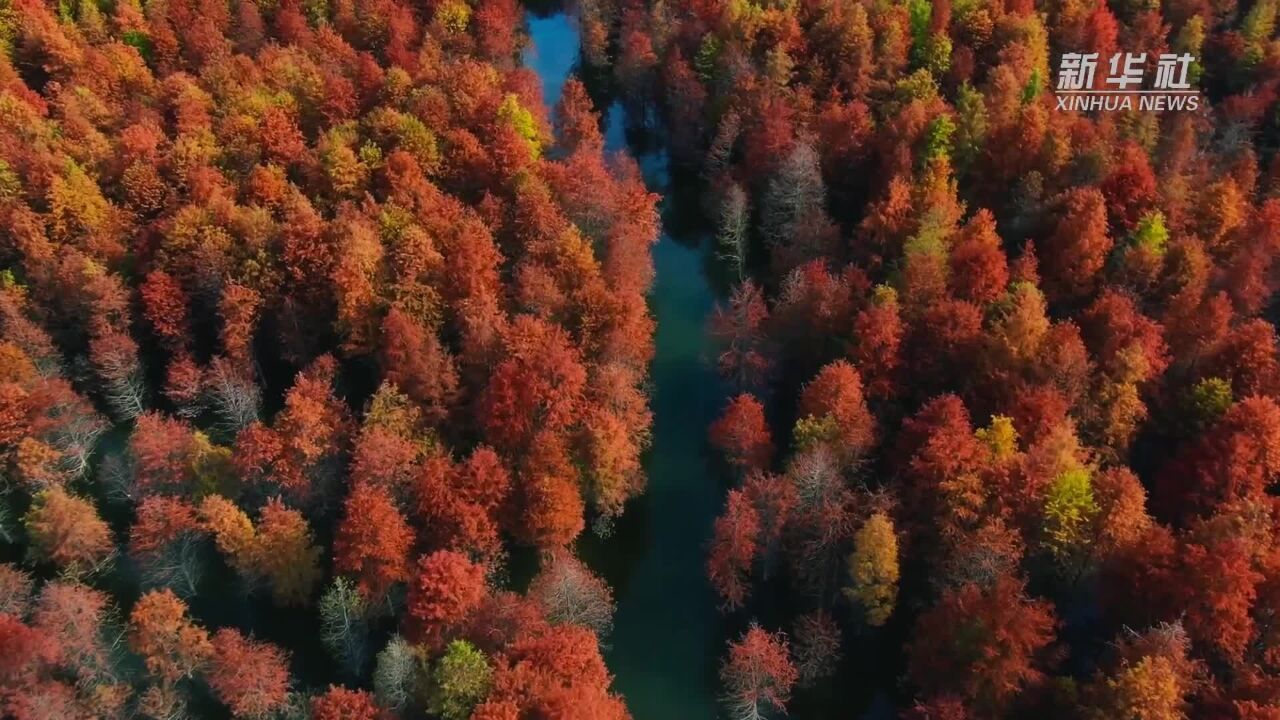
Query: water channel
pixel 667 640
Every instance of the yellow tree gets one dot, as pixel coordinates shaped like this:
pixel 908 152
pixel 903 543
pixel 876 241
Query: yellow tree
pixel 873 570
pixel 287 556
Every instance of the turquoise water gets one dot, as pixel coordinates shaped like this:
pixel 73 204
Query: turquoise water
pixel 667 640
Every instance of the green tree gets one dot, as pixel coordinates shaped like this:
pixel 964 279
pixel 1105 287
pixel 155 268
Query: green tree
pixel 1206 401
pixel 1069 511
pixel 460 680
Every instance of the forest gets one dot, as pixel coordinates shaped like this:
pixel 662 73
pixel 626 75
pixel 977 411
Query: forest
pixel 333 382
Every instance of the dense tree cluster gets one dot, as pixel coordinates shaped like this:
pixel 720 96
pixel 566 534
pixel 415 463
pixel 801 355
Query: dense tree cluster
pixel 1034 452
pixel 314 305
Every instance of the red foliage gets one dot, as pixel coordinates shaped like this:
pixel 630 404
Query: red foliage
pixel 1249 359
pixel 733 549
pixel 313 427
pixel 412 357
pixel 743 435
pixel 170 644
pixel 249 677
pixel 73 615
pixel 67 531
pixel 1217 585
pixel 537 389
pixel 165 307
pixel 160 520
pixel 941 459
pixel 184 385
pixel 1125 343
pixel 576 125
pixel 339 703
pixel 1130 189
pixel 739 329
pixel 373 541
pixel 836 393
pixel 239 308
pixel 758 674
pixel 1072 257
pixel 557 672
pixel 496 28
pixel 24 652
pixel 1237 459
pixel 163 449
pixel 445 590
pixel 551 505
pixel 483 479
pixel 979 270
pixel 944 344
pixel 876 351
pixel 980 643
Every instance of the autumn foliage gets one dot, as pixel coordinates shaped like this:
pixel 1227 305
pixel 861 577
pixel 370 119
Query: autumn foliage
pixel 312 312
pixel 307 311
pixel 1011 368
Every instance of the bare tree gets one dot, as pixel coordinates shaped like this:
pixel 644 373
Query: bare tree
pixel 8 521
pixel 233 395
pixel 732 234
pixel 816 476
pixel 115 476
pixel 76 433
pixel 720 153
pixel 114 356
pixel 395 675
pixel 795 194
pixel 572 594
pixel 177 566
pixel 817 646
pixel 163 702
pixel 344 625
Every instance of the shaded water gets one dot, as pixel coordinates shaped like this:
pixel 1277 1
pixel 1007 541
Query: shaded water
pixel 666 641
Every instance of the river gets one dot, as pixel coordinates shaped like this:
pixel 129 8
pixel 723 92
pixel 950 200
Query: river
pixel 667 641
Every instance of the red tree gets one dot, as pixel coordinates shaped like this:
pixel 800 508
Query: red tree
pixel 733 549
pixel 979 269
pixel 1236 459
pixel 980 643
pixel 373 541
pixel 413 358
pixel 249 677
pixel 339 703
pixel 555 672
pixel 67 531
pixel 739 329
pixel 163 449
pixel 165 306
pixel 877 341
pixel 446 589
pixel 1130 190
pixel 742 434
pixel 1072 257
pixel 538 388
pixel 836 393
pixel 758 674
pixel 24 652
